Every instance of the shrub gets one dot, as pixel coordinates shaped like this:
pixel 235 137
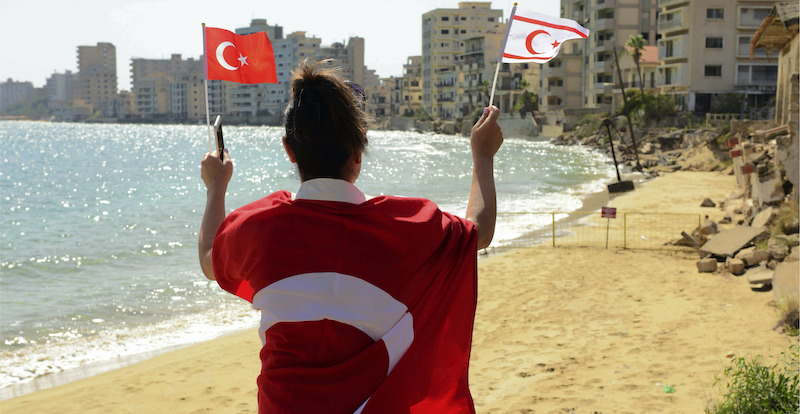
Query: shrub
pixel 749 386
pixel 787 221
pixel 789 312
pixel 654 109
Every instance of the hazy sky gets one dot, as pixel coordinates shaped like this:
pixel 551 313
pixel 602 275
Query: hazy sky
pixel 41 37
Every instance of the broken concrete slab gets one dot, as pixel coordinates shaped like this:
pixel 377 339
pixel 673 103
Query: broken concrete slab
pixel 752 256
pixel 786 281
pixel 728 242
pixel 707 265
pixel 763 217
pixel 735 266
pixel 760 276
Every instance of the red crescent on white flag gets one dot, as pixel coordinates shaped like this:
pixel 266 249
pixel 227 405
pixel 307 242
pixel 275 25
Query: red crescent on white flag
pixel 529 41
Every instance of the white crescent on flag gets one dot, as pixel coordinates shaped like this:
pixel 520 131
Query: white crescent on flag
pixel 538 37
pixel 221 55
pixel 343 298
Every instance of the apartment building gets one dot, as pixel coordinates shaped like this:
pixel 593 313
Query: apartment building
pixel 60 87
pixel 563 85
pixel 477 71
pixel 443 31
pixel 173 89
pixel 407 99
pixel 583 75
pixel 705 49
pixel 13 92
pixel 97 78
pixel 246 100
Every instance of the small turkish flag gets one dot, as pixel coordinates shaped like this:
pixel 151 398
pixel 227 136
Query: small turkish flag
pixel 239 58
pixel 538 37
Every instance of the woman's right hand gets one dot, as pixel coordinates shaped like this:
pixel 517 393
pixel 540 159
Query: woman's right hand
pixel 216 173
pixel 486 137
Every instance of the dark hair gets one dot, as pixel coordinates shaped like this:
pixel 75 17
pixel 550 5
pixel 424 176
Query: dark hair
pixel 325 123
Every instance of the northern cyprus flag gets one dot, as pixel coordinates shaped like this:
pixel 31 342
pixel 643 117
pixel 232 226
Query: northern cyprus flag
pixel 538 37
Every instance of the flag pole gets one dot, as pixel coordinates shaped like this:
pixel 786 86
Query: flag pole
pixel 205 81
pixel 502 49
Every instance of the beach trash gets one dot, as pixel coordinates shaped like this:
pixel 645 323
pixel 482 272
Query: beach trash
pixel 669 389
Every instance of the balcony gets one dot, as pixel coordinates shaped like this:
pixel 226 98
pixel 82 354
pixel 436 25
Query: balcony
pixel 673 21
pixel 554 91
pixel 549 72
pixel 675 47
pixel 670 3
pixel 751 17
pixel 673 76
pixel 603 24
pixel 603 4
pixel 757 75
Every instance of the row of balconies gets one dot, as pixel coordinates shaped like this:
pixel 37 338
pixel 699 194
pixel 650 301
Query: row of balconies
pixel 679 19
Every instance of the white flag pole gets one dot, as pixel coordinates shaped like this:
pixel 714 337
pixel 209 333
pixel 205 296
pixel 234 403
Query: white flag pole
pixel 205 67
pixel 502 49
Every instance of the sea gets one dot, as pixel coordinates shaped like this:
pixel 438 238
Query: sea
pixel 99 223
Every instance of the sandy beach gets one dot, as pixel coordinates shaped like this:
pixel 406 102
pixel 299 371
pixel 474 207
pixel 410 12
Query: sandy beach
pixel 570 329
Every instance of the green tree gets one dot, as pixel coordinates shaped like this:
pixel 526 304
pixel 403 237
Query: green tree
pixel 637 43
pixel 651 109
pixel 526 102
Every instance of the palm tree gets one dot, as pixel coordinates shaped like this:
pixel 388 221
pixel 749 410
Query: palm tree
pixel 636 42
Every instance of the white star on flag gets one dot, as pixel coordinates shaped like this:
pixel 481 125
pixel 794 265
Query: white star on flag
pixel 242 60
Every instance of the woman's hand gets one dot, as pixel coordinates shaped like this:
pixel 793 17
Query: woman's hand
pixel 485 141
pixel 216 173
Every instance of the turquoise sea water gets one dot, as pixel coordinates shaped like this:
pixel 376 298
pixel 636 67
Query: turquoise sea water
pixel 98 226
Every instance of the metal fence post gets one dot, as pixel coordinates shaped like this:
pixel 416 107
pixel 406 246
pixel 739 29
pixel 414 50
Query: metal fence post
pixel 699 223
pixel 624 230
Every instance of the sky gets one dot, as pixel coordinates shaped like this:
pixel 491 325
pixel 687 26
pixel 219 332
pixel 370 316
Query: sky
pixel 41 37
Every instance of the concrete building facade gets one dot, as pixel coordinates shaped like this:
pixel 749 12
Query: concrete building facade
pixel 13 92
pixel 97 78
pixel 172 89
pixel 705 49
pixel 583 75
pixel 443 31
pixel 408 98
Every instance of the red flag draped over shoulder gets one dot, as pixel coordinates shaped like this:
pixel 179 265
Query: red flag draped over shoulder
pixel 239 58
pixel 366 308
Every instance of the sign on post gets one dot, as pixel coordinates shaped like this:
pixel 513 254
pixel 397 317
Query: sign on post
pixel 608 212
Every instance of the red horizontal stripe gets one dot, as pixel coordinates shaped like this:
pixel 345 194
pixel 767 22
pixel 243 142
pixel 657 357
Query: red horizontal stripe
pixel 526 57
pixel 547 24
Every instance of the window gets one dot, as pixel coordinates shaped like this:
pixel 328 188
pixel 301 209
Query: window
pixel 445 18
pixel 766 75
pixel 491 19
pixel 713 42
pixel 669 48
pixel 752 16
pixel 445 31
pixel 744 48
pixel 713 70
pixel 715 14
